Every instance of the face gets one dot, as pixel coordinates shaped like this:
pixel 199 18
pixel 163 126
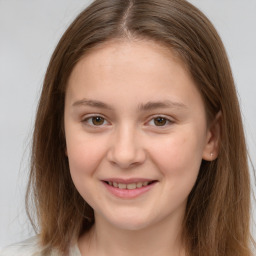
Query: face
pixel 136 133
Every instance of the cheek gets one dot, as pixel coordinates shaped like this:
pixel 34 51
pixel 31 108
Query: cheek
pixel 178 159
pixel 84 154
pixel 179 156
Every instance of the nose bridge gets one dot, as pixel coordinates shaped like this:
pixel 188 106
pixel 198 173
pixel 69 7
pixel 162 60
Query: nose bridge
pixel 126 150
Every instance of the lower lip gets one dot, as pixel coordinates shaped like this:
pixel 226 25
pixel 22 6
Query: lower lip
pixel 128 193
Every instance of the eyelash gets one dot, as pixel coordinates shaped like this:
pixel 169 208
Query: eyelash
pixel 89 121
pixel 167 121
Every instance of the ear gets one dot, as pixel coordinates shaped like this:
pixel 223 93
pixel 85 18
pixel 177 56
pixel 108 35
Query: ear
pixel 213 137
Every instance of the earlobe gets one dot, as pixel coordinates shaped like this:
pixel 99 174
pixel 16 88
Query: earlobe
pixel 213 138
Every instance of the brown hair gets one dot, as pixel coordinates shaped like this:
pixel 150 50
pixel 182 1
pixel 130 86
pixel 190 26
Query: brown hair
pixel 218 209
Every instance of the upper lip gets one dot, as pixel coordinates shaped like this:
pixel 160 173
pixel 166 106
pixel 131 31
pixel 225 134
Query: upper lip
pixel 128 181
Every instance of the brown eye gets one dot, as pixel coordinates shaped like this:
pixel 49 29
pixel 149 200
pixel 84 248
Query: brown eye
pixel 160 121
pixel 97 120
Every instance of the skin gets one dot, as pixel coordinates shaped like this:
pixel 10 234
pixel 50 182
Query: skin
pixel 126 77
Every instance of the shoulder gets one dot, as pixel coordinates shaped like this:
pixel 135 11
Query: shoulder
pixel 29 247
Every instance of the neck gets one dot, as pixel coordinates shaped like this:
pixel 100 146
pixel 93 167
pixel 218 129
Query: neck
pixel 163 238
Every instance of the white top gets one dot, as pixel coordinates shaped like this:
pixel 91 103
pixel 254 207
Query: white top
pixel 30 247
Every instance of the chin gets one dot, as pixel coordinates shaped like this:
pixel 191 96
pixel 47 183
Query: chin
pixel 130 223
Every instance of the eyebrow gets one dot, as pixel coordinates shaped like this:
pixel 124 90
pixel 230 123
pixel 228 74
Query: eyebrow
pixel 161 104
pixel 92 103
pixel 151 105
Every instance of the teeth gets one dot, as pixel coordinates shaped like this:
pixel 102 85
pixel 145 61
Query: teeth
pixel 122 186
pixel 128 186
pixel 131 186
pixel 139 184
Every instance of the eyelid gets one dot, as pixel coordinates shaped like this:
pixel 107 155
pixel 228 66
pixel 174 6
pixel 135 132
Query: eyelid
pixel 168 119
pixel 85 119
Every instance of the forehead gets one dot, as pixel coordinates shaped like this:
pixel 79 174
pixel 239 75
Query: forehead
pixel 117 44
pixel 134 70
pixel 132 56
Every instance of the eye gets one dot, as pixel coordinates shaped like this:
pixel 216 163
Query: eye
pixel 159 121
pixel 95 121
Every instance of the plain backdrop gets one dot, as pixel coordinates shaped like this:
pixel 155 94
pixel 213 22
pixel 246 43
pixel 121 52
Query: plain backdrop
pixel 29 32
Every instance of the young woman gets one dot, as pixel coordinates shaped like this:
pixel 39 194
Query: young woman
pixel 138 143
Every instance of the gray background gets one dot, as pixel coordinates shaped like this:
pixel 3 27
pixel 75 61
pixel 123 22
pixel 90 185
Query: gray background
pixel 29 31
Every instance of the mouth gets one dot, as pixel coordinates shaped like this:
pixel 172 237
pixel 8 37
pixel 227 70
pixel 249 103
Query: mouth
pixel 129 188
pixel 131 185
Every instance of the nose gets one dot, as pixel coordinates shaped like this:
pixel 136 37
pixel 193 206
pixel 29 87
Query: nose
pixel 126 150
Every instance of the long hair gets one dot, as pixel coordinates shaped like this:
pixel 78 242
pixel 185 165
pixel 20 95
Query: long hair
pixel 217 218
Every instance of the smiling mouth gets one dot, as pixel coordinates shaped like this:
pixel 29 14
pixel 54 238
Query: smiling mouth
pixel 130 185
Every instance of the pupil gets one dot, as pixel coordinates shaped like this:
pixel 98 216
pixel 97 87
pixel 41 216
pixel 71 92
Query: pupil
pixel 97 120
pixel 160 121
